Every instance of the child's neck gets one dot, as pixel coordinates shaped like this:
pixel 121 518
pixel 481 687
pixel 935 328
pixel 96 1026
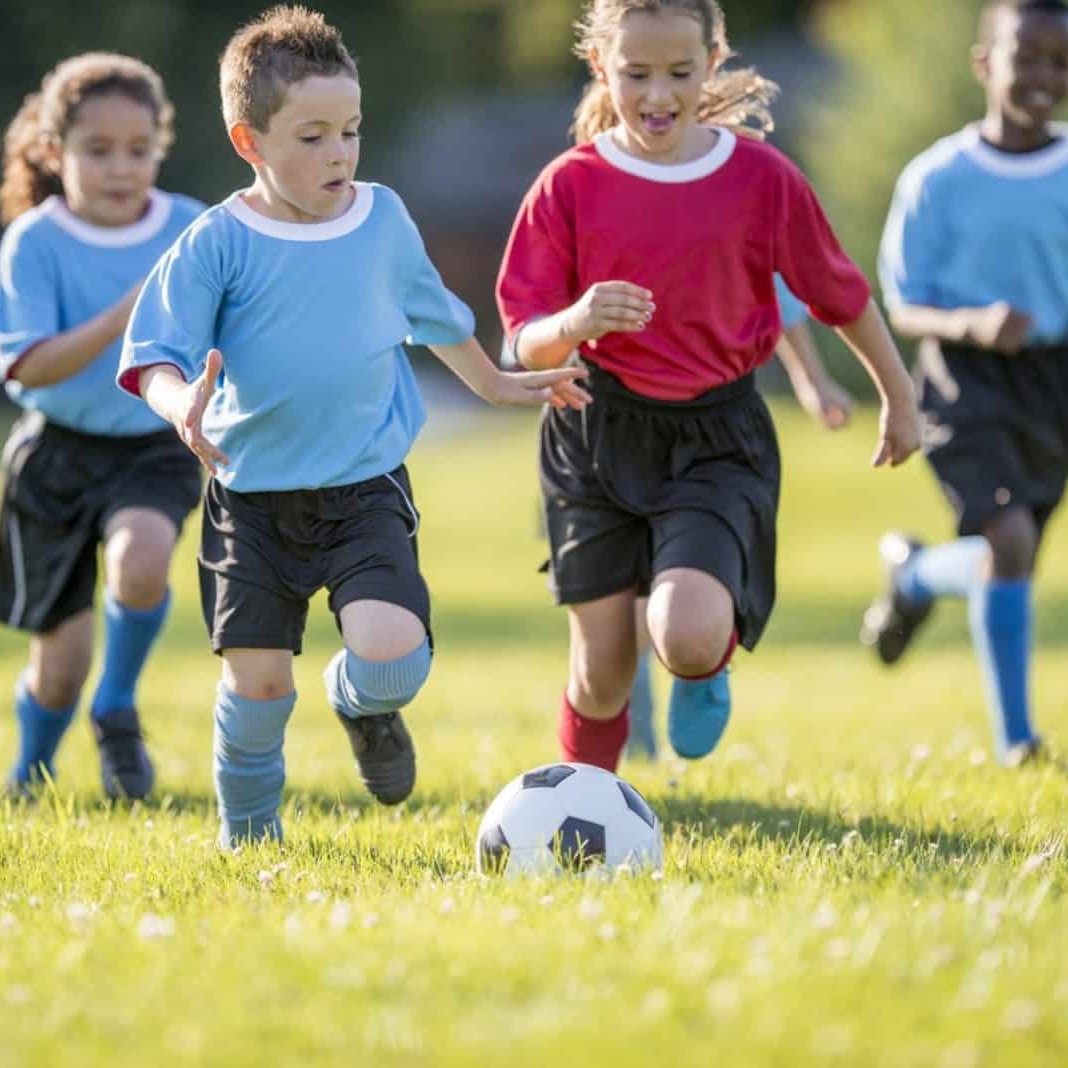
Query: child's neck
pixel 1001 133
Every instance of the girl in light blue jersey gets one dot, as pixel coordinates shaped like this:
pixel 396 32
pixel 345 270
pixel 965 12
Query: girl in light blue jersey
pixel 86 464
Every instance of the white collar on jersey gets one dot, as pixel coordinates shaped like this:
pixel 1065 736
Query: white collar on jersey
pixel 354 216
pixel 610 152
pixel 146 228
pixel 1035 164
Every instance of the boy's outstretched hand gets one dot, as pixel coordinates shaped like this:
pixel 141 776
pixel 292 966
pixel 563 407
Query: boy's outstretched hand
pixel 558 388
pixel 182 405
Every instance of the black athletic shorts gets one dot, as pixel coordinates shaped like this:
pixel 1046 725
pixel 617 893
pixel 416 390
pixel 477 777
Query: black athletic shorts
pixel 995 429
pixel 263 556
pixel 634 486
pixel 61 489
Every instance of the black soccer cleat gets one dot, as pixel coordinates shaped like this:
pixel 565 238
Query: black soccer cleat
pixel 384 754
pixel 891 622
pixel 126 769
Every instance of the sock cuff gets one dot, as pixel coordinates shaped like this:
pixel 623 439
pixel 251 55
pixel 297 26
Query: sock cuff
pixel 389 680
pixel 114 609
pixel 253 726
pixel 25 698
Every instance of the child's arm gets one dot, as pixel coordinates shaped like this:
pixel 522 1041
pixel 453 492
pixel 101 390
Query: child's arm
pixel 816 391
pixel 64 354
pixel 605 308
pixel 182 404
pixel 997 326
pixel 469 362
pixel 899 423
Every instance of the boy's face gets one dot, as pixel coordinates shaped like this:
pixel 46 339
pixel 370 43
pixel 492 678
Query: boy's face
pixel 1024 64
pixel 307 157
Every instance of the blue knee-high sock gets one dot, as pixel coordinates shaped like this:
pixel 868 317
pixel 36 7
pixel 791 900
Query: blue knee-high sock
pixel 642 738
pixel 40 731
pixel 249 768
pixel 949 570
pixel 1000 617
pixel 372 687
pixel 130 633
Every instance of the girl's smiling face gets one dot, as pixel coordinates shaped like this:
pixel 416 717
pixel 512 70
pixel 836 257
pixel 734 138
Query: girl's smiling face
pixel 654 68
pixel 108 160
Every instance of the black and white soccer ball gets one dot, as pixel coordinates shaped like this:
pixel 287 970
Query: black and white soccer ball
pixel 568 817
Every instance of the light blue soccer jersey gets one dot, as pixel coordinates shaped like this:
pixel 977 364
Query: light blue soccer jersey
pixel 970 226
pixel 58 271
pixel 791 310
pixel 311 319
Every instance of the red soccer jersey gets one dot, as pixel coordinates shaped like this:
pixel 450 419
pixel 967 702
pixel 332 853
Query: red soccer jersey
pixel 706 238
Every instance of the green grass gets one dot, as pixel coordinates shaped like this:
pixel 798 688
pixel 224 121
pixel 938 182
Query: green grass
pixel 849 879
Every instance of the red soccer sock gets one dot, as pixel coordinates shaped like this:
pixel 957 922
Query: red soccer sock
pixel 732 645
pixel 592 741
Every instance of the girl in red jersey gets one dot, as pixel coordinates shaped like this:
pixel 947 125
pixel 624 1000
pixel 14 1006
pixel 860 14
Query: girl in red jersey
pixel 652 247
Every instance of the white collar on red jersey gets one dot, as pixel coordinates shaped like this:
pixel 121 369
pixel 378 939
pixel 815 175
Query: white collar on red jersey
pixel 610 152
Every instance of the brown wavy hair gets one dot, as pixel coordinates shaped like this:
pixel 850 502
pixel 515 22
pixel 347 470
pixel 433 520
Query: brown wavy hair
pixel 47 116
pixel 739 98
pixel 283 46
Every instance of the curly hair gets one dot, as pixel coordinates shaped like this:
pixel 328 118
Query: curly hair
pixel 47 116
pixel 282 47
pixel 738 98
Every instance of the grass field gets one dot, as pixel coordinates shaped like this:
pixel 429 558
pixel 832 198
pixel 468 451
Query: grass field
pixel 850 880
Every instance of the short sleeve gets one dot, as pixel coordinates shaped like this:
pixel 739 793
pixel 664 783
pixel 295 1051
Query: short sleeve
pixel 29 295
pixel 435 315
pixel 538 274
pixel 792 311
pixel 810 259
pixel 173 321
pixel 909 253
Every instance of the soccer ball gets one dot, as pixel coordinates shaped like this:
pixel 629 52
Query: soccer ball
pixel 567 817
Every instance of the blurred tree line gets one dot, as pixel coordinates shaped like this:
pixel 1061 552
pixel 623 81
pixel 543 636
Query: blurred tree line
pixel 410 52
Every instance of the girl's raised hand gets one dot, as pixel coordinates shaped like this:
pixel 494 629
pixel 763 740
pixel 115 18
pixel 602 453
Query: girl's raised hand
pixel 190 415
pixel 531 388
pixel 610 307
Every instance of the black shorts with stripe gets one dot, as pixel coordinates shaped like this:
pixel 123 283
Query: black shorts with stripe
pixel 633 487
pixel 61 489
pixel 264 555
pixel 995 429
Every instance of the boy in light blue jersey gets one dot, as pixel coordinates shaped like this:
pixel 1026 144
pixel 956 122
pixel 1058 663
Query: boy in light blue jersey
pixel 271 337
pixel 973 263
pixel 85 465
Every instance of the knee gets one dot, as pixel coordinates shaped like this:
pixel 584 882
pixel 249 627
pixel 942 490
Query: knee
pixel 1013 538
pixel 137 572
pixel 690 650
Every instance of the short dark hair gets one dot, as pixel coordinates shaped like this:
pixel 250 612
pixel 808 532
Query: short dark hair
pixel 986 19
pixel 281 48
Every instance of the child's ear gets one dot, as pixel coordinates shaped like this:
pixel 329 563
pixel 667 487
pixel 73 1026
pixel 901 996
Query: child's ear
pixel 594 60
pixel 245 139
pixel 981 63
pixel 714 60
pixel 52 153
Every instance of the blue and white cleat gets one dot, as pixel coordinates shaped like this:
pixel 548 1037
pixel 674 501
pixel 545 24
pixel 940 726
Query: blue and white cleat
pixel 698 714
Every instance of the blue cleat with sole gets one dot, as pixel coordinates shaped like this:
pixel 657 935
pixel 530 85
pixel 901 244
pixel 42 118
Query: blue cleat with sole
pixel 698 714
